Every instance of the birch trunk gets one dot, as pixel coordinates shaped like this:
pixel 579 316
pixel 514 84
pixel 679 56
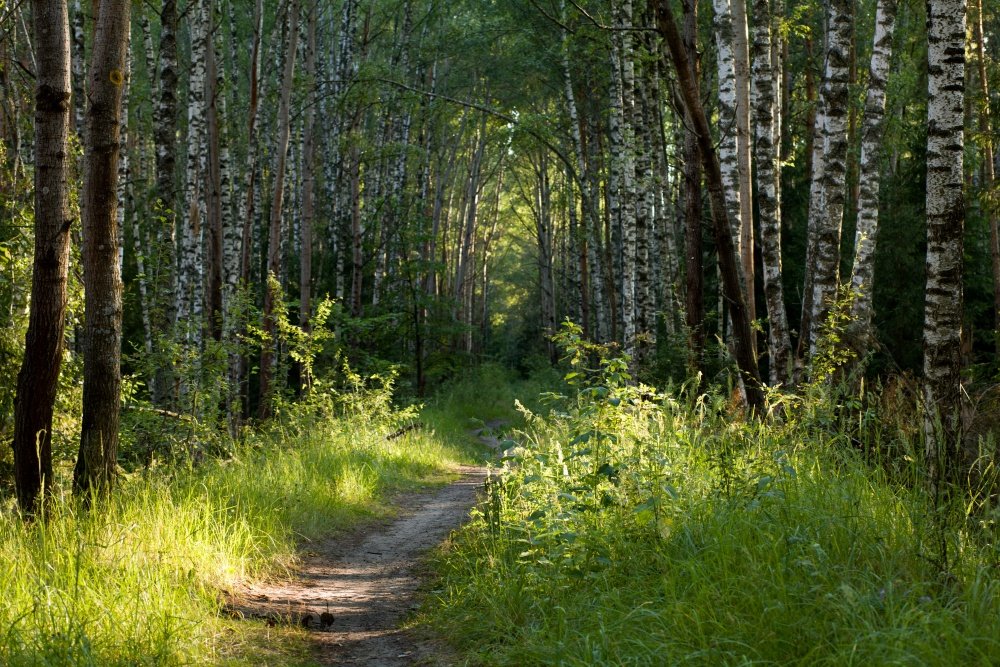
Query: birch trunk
pixel 828 219
pixel 946 41
pixel 863 271
pixel 189 282
pixel 768 161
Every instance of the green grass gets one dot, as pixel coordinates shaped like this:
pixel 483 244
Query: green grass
pixel 140 580
pixel 637 532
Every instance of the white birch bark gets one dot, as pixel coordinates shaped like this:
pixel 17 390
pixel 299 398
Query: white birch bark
pixel 828 219
pixel 189 277
pixel 863 270
pixel 946 42
pixel 767 123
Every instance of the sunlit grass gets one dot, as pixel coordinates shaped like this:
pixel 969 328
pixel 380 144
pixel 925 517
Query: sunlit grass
pixel 141 579
pixel 708 541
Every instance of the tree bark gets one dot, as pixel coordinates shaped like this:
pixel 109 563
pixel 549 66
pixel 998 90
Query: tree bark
pixel 95 465
pixel 946 39
pixel 827 218
pixel 694 267
pixel 863 271
pixel 728 260
pixel 767 121
pixel 39 375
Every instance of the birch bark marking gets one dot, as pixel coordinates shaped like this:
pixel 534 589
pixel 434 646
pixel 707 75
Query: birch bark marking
pixel 863 271
pixel 945 225
pixel 728 142
pixel 38 378
pixel 828 219
pixel 189 288
pixel 95 464
pixel 768 161
pixel 274 236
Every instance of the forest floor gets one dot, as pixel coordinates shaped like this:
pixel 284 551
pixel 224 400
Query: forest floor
pixel 353 591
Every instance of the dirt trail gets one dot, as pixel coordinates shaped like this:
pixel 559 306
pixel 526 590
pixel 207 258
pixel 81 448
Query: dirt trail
pixel 352 592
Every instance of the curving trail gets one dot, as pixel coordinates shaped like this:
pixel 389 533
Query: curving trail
pixel 352 593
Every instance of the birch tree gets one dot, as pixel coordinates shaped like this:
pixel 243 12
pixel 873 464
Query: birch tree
pixel 826 212
pixel 946 41
pixel 767 158
pixel 872 132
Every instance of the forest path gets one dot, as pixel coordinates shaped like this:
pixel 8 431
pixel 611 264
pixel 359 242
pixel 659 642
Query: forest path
pixel 353 591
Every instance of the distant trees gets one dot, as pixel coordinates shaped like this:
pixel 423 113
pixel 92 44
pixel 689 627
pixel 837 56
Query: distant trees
pixel 462 177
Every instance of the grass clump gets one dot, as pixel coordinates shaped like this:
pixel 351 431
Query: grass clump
pixel 141 579
pixel 631 527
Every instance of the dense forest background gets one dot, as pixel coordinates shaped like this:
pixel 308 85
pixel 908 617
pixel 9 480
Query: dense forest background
pixel 416 185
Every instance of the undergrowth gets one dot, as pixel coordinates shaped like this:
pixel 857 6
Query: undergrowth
pixel 141 579
pixel 629 526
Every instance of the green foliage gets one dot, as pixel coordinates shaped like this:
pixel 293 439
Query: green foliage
pixel 632 527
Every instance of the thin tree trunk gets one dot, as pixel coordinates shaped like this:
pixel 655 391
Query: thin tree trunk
pixel 274 236
pixel 164 281
pixel 768 162
pixel 828 217
pixel 38 378
pixel 863 271
pixel 989 168
pixel 95 464
pixel 308 185
pixel 694 268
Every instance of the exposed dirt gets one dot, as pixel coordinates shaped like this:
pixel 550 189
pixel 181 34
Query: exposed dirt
pixel 352 592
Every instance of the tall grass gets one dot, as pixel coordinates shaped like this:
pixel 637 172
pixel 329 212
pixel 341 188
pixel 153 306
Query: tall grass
pixel 637 528
pixel 141 578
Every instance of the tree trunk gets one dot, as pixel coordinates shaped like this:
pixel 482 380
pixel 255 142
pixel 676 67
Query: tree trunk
pixel 274 236
pixel 39 375
pixel 945 224
pixel 728 259
pixel 768 162
pixel 95 464
pixel 863 271
pixel 693 266
pixel 989 169
pixel 827 219
pixel 308 185
pixel 190 300
pixel 164 281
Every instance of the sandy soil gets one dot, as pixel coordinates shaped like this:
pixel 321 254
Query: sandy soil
pixel 352 592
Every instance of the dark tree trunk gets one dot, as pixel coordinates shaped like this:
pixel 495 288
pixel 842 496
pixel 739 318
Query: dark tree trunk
pixel 274 237
pixel 95 465
pixel 39 375
pixel 728 261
